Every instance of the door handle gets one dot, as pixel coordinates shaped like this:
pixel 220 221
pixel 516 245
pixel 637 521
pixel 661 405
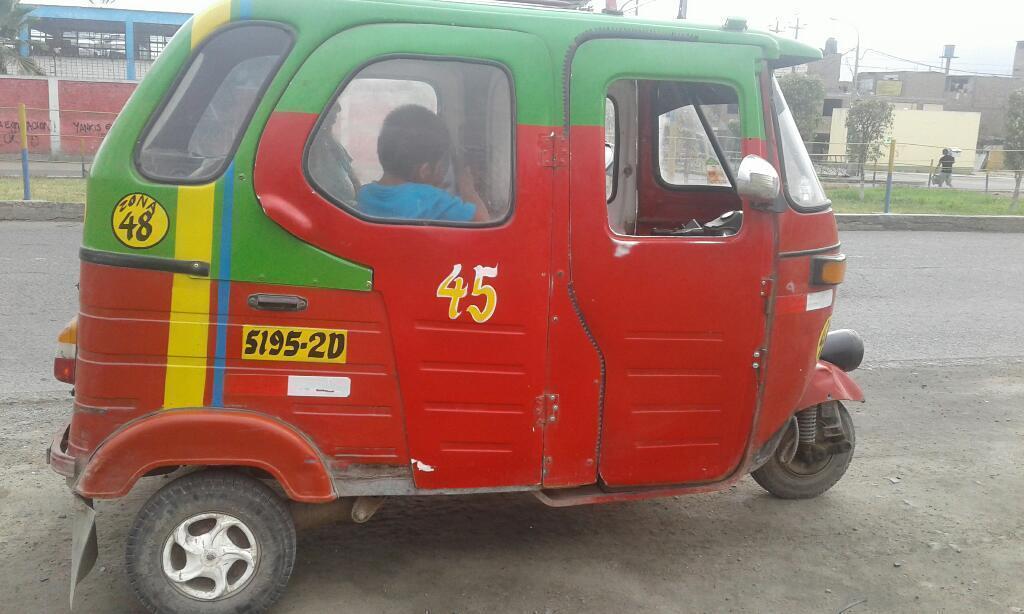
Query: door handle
pixel 277 302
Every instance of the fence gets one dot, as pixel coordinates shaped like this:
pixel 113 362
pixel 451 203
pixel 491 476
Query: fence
pixel 914 164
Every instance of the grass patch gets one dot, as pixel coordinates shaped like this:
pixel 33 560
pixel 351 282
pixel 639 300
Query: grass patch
pixel 56 189
pixel 920 200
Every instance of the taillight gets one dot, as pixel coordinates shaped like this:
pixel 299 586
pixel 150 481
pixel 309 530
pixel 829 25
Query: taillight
pixel 67 350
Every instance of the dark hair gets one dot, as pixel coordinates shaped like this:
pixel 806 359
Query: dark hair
pixel 410 136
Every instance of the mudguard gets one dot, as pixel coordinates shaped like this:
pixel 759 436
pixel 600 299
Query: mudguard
pixel 210 438
pixel 830 383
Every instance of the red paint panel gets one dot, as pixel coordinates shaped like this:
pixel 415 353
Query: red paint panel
pixel 678 320
pixel 88 109
pixel 830 383
pixel 804 231
pixel 201 437
pixel 367 426
pixel 574 367
pixel 33 93
pixel 122 350
pixel 469 390
pixel 794 345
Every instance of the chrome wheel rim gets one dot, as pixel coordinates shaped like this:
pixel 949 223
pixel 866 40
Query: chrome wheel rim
pixel 210 556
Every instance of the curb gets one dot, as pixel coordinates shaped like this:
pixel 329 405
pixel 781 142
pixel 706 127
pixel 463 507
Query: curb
pixel 932 222
pixel 40 211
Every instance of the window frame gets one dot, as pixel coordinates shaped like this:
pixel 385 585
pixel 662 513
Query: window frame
pixel 783 175
pixel 659 178
pixel 353 74
pixel 618 138
pixel 246 124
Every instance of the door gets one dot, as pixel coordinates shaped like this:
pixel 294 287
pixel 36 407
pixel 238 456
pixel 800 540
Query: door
pixel 409 149
pixel 677 314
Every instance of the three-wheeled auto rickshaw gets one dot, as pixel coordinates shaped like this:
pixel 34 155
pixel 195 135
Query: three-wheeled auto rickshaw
pixel 341 251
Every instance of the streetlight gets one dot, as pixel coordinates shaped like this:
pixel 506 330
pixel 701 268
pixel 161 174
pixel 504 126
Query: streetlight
pixel 856 58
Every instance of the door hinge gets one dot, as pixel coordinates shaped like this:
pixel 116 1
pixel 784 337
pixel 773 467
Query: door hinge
pixel 554 150
pixel 547 409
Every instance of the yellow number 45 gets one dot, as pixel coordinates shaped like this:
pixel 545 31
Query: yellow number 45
pixel 453 288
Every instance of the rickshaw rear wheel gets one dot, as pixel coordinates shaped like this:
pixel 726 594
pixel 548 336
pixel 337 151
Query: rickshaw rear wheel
pixel 211 542
pixel 803 477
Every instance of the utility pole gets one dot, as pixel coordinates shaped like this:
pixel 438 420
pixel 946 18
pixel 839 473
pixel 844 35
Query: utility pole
pixel 796 28
pixel 776 29
pixel 856 57
pixel 682 9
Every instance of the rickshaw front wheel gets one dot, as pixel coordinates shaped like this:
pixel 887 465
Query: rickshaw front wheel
pixel 211 542
pixel 806 476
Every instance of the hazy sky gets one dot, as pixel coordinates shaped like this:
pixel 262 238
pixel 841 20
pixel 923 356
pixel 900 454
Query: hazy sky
pixel 984 31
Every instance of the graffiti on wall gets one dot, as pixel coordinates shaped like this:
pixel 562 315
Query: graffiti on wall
pixel 10 134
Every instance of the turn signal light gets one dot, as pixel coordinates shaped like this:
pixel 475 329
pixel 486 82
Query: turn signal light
pixel 64 370
pixel 67 351
pixel 828 270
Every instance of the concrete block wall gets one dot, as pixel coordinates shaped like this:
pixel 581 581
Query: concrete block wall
pixel 66 118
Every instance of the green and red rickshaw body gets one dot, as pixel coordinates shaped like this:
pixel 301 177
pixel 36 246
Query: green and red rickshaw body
pixel 622 361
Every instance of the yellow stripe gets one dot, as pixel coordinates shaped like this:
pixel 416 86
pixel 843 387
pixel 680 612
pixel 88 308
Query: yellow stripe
pixel 187 335
pixel 209 20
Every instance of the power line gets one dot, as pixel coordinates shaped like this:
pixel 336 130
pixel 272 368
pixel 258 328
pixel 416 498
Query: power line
pixel 938 68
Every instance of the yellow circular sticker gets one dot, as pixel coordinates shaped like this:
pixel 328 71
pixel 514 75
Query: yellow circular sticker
pixel 824 335
pixel 139 221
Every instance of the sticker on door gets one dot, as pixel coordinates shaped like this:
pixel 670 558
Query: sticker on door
pixel 314 386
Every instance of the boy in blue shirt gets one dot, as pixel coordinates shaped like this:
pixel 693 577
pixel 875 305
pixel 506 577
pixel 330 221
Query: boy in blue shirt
pixel 413 147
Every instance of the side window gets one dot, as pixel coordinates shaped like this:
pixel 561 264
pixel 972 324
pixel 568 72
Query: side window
pixel 671 151
pixel 418 141
pixel 698 134
pixel 198 128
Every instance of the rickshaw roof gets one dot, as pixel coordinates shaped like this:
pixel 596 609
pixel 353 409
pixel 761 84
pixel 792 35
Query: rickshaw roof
pixel 548 22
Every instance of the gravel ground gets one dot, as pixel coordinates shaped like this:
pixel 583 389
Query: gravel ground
pixel 928 518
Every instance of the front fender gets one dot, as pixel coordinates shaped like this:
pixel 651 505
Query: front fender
pixel 206 437
pixel 830 383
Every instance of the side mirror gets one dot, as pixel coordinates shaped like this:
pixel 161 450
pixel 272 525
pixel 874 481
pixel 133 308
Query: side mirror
pixel 757 179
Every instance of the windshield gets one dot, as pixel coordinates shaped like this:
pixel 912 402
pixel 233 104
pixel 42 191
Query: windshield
pixel 801 180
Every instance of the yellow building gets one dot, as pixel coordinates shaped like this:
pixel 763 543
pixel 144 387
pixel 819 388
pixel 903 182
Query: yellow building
pixel 921 135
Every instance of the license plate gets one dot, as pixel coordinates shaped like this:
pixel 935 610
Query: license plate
pixel 294 344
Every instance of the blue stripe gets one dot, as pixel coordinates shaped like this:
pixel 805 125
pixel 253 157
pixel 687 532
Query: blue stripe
pixel 223 287
pixel 244 9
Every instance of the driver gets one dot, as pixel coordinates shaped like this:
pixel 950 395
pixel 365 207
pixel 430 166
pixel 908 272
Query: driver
pixel 413 148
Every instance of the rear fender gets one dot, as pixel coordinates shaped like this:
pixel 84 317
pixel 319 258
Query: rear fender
pixel 206 437
pixel 830 383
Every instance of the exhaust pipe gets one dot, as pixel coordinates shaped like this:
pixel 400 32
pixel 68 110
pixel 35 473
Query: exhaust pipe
pixel 346 509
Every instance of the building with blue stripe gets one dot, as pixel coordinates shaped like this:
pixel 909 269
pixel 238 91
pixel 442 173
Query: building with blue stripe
pixel 96 43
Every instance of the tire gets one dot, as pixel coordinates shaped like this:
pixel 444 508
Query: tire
pixel 794 481
pixel 219 514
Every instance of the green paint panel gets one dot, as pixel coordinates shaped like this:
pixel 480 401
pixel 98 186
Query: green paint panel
pixel 260 250
pixel 598 63
pixel 524 55
pixel 113 171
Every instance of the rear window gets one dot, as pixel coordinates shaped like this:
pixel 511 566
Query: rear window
pixel 199 125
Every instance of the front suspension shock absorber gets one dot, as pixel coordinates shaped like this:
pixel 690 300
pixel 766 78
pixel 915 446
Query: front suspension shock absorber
pixel 807 423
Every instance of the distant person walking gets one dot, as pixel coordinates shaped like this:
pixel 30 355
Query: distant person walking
pixel 945 174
